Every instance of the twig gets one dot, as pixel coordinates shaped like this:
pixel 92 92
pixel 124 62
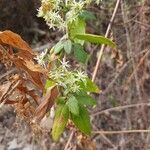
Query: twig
pixel 106 139
pixel 121 132
pixel 9 92
pixel 5 88
pixel 69 140
pixel 106 35
pixel 122 69
pixel 130 49
pixel 120 108
pixel 147 141
pixel 115 78
pixel 137 67
pixel 8 73
pixel 141 23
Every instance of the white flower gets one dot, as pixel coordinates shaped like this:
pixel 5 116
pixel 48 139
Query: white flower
pixel 75 88
pixel 81 75
pixel 64 64
pixel 40 58
pixel 58 13
pixel 68 80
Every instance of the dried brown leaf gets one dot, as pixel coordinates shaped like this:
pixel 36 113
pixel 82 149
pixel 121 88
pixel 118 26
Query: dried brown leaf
pixel 12 39
pixel 116 55
pixel 1 53
pixel 35 76
pixel 23 59
pixel 11 102
pixel 24 90
pixel 46 103
pixel 34 67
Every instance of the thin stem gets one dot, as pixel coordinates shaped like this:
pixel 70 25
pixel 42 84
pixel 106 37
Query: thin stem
pixel 69 140
pixel 119 108
pixel 121 132
pixel 106 35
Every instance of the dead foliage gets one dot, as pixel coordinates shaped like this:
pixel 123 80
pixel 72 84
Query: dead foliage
pixel 24 89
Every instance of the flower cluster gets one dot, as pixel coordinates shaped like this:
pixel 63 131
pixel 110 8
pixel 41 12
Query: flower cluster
pixel 68 80
pixel 59 13
pixel 41 58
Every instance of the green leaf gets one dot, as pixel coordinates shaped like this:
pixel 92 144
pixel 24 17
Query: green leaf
pixel 95 39
pixel 77 26
pixel 58 47
pixel 80 54
pixel 89 86
pixel 60 121
pixel 87 15
pixel 61 100
pixel 82 121
pixel 49 83
pixel 85 99
pixel 73 105
pixel 67 46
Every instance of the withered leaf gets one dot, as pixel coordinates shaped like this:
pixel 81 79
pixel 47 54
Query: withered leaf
pixel 34 75
pixel 34 67
pixel 10 38
pixel 13 39
pixel 8 101
pixel 23 89
pixel 46 103
pixel 23 59
pixel 1 52
pixel 4 89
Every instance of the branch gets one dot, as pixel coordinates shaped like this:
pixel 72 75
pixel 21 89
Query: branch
pixel 106 35
pixel 120 108
pixel 69 140
pixel 120 132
